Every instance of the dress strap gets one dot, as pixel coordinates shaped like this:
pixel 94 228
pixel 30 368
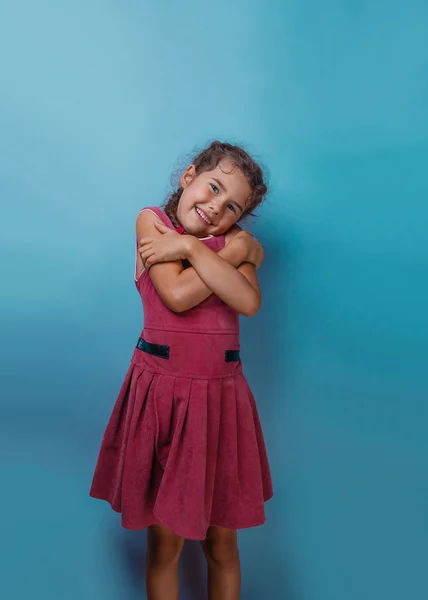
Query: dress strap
pixel 160 214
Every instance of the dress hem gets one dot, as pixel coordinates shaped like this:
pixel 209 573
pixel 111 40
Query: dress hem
pixel 157 521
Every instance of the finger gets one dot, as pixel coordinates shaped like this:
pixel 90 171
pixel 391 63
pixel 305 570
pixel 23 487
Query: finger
pixel 161 227
pixel 145 258
pixel 144 250
pixel 144 241
pixel 147 254
pixel 151 260
pixel 244 233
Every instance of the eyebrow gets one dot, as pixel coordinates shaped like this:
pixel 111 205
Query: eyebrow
pixel 225 190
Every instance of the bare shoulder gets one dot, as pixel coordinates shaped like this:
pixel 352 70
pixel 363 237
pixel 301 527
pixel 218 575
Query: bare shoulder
pixel 144 225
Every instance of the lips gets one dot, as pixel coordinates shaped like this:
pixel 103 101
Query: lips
pixel 203 216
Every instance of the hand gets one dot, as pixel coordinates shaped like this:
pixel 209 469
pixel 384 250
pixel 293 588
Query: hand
pixel 170 247
pixel 252 248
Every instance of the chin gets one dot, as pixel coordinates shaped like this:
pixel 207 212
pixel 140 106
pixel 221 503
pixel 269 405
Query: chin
pixel 197 232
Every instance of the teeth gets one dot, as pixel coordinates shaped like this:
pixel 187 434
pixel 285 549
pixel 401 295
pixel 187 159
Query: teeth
pixel 205 218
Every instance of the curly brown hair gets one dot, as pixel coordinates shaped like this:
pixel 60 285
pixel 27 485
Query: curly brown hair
pixel 209 159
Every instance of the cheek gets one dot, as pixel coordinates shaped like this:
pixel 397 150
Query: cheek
pixel 227 221
pixel 201 192
pixel 231 217
pixel 193 196
pixel 183 205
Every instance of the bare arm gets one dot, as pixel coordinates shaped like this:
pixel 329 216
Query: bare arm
pixel 182 289
pixel 236 287
pixel 193 290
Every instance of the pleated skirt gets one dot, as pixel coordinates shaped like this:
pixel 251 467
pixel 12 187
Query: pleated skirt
pixel 184 447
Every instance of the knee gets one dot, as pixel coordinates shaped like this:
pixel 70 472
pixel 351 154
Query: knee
pixel 163 548
pixel 221 548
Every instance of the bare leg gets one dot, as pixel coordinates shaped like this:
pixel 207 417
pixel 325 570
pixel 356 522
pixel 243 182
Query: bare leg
pixel 163 551
pixel 224 571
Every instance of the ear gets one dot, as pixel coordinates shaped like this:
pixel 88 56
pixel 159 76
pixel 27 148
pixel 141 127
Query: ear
pixel 188 176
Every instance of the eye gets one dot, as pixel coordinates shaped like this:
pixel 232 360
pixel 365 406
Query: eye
pixel 214 188
pixel 232 208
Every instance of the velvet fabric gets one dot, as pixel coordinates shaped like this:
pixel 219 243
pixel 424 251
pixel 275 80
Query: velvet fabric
pixel 184 446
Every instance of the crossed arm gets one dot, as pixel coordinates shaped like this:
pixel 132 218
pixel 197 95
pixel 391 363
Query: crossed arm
pixel 226 274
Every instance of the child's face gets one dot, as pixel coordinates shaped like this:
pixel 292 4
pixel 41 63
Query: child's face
pixel 212 201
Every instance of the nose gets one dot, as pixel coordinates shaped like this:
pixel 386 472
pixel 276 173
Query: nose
pixel 213 205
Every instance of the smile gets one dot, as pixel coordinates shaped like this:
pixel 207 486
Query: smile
pixel 203 216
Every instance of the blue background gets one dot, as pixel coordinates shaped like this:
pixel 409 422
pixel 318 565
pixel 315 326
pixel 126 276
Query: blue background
pixel 98 101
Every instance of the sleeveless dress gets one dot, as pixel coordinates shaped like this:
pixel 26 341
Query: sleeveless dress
pixel 184 446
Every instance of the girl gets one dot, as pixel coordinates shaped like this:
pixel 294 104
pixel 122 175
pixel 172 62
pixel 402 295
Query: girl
pixel 183 453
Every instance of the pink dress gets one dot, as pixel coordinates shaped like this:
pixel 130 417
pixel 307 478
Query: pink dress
pixel 184 447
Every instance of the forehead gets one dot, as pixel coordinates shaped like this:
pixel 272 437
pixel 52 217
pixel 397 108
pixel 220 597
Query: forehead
pixel 233 180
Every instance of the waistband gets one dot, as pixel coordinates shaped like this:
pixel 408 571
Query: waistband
pixel 163 351
pixel 188 354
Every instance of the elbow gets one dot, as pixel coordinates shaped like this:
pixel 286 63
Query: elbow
pixel 250 312
pixel 179 308
pixel 174 301
pixel 252 308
